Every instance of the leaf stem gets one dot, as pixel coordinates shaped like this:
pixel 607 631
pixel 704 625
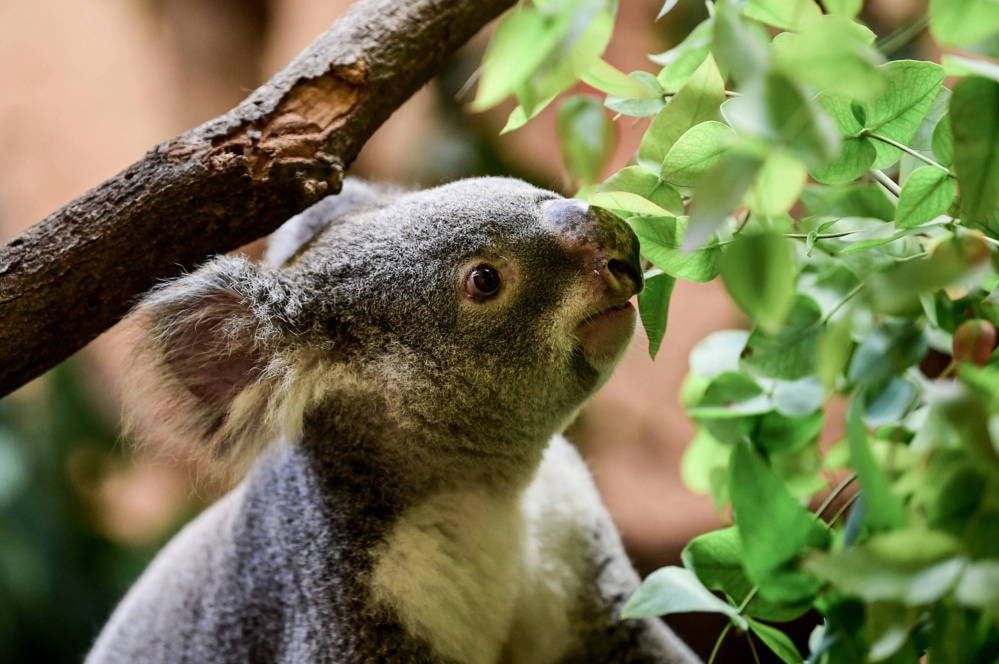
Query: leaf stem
pixel 834 494
pixel 886 182
pixel 718 642
pixel 849 502
pixel 906 149
pixel 902 37
pixel 846 298
pixel 752 648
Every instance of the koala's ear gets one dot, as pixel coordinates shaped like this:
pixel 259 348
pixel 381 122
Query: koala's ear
pixel 218 342
pixel 355 196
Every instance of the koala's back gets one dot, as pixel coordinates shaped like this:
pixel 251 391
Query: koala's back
pixel 263 575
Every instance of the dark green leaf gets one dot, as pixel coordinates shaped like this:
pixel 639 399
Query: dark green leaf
pixel 777 641
pixel 942 141
pixel 773 528
pixel 897 112
pixel 976 150
pixel 716 559
pixel 671 590
pixel 859 200
pixel 790 353
pixel 653 307
pixel 888 349
pixel 884 509
pixel 759 273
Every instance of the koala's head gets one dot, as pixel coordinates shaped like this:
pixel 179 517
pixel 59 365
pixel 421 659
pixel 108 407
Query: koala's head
pixel 486 310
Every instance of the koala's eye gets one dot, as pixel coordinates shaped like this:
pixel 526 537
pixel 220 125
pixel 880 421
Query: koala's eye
pixel 482 282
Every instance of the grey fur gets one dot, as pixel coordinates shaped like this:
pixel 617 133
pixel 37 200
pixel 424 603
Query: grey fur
pixel 392 391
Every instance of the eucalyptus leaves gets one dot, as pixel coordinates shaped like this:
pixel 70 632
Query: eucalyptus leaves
pixel 850 205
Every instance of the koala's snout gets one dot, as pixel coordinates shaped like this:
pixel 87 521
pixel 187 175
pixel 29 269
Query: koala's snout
pixel 604 242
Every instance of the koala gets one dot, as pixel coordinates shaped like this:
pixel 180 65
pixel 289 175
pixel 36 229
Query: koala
pixel 399 369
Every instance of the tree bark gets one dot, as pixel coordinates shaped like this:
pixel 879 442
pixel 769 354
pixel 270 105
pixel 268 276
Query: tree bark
pixel 223 184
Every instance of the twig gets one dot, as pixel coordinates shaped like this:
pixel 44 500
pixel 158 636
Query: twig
pixel 886 182
pixel 223 184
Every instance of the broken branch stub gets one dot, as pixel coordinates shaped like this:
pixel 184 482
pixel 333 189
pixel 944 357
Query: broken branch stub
pixel 225 183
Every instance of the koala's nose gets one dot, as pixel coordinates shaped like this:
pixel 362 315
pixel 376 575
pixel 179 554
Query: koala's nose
pixel 605 242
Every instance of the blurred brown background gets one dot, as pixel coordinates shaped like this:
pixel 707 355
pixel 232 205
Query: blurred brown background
pixel 87 87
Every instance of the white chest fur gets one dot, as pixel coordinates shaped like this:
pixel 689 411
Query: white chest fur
pixel 486 577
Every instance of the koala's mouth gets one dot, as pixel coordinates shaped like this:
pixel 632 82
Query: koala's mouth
pixel 605 334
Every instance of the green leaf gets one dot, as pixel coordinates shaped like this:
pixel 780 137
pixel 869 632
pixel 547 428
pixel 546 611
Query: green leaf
pixel 855 158
pixel 586 137
pixel 759 273
pixel 942 142
pixel 832 53
pixel 777 110
pixel 963 22
pixel 979 586
pixel 671 590
pixel 956 65
pixel 834 349
pixel 858 200
pixel 888 349
pixel 704 468
pixel 682 60
pixel 896 113
pixel 523 39
pixel 778 642
pixel 783 14
pixel 612 81
pixel 590 23
pixel 740 47
pixel 697 101
pixel 716 559
pixel 645 183
pixel 790 353
pixel 662 238
pixel 780 434
pixel 926 195
pixel 884 509
pixel 848 8
pixel 625 201
pixel 876 573
pixel 777 185
pixel 653 308
pixel 731 395
pixel 773 527
pixel 718 353
pixel 795 398
pixel 888 627
pixel 695 151
pixel 718 193
pixel 976 149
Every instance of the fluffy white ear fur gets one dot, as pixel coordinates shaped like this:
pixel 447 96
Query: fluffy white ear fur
pixel 223 366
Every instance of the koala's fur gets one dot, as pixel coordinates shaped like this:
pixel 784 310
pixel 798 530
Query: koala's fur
pixel 419 504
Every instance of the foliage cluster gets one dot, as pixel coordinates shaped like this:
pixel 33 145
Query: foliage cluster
pixel 850 205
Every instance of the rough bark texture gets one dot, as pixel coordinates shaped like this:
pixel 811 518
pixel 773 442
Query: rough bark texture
pixel 225 183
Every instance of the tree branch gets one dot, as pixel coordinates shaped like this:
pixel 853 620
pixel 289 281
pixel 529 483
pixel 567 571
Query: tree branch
pixel 220 185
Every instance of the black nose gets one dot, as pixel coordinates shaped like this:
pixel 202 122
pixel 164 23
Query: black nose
pixel 599 237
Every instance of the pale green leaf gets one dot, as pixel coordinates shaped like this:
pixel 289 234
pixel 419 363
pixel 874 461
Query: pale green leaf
pixel 777 185
pixel 612 81
pixel 682 60
pixel 625 201
pixel 697 101
pixel 783 14
pixel 718 193
pixel 671 590
pixel 897 112
pixel 956 65
pixel 645 183
pixel 926 195
pixel 963 22
pixel 696 151
pixel 884 509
